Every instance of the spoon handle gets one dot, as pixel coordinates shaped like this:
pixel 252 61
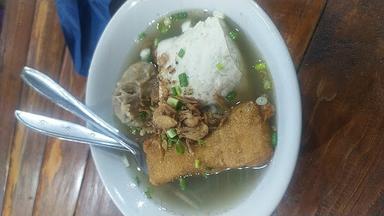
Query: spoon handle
pixel 58 95
pixel 66 130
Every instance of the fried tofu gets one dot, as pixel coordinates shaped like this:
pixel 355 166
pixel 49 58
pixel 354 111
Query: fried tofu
pixel 243 140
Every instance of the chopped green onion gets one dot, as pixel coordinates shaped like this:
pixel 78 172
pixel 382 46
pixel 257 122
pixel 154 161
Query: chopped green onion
pixel 137 179
pixel 141 36
pixel 156 42
pixel 145 54
pixel 179 107
pixel 173 91
pixel 180 148
pixel 267 84
pixel 262 101
pixel 171 133
pixel 182 183
pixel 197 163
pixel 150 59
pixel 179 16
pixel 181 53
pixel 183 79
pixel 205 175
pixel 163 28
pixel 143 115
pixel 152 108
pixel 167 21
pixel 231 97
pixel 176 91
pixel 260 66
pixel 173 102
pixel 274 139
pixel 172 141
pixel 274 128
pixel 201 142
pixel 234 34
pixel 134 130
pixel 219 66
pixel 148 193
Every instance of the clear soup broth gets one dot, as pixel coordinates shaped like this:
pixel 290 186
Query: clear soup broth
pixel 210 194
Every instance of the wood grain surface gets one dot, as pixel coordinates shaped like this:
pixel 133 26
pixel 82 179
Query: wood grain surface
pixel 341 168
pixel 338 48
pixel 13 37
pixel 94 199
pixel 45 52
pixel 62 160
pixel 296 20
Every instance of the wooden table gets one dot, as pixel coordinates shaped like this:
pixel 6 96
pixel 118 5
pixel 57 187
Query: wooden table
pixel 338 50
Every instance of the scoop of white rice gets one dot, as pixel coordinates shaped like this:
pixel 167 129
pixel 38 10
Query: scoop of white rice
pixel 211 61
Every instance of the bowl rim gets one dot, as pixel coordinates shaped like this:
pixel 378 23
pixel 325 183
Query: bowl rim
pixel 273 198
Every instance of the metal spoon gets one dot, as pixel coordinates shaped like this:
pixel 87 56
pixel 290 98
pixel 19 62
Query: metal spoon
pixel 58 95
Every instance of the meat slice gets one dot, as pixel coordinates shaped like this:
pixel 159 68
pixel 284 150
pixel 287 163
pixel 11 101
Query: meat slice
pixel 162 117
pixel 132 91
pixel 195 133
pixel 243 140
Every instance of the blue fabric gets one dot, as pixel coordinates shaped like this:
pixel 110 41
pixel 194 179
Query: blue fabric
pixel 83 22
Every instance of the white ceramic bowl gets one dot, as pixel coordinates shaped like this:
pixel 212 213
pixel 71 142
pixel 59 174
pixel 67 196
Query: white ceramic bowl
pixel 110 60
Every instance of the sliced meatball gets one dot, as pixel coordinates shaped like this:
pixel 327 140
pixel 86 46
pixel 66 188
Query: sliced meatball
pixel 132 92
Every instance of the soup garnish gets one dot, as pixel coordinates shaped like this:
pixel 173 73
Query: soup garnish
pixel 200 99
